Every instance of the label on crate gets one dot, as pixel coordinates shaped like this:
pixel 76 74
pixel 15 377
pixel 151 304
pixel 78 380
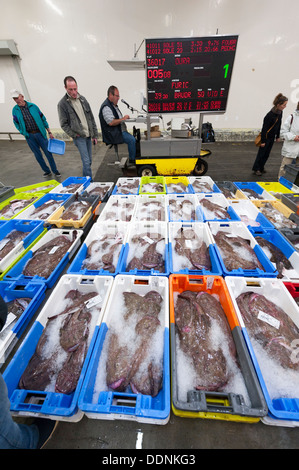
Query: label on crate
pixel 265 317
pixel 147 239
pixel 11 317
pixel 54 249
pixel 3 243
pixel 94 301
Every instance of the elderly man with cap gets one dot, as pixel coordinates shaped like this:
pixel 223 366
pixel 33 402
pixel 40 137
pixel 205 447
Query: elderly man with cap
pixel 32 124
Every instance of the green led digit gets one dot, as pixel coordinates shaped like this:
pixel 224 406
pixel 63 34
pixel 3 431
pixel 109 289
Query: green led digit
pixel 226 70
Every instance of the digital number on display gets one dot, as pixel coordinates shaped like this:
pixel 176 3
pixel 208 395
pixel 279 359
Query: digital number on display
pixel 189 74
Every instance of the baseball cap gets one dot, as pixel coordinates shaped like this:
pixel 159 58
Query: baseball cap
pixel 15 93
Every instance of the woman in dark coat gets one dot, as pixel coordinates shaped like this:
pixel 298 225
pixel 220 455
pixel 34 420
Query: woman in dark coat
pixel 270 132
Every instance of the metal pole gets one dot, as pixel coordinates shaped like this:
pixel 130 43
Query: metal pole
pixel 21 77
pixel 200 122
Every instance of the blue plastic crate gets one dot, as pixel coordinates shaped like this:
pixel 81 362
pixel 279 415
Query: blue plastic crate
pixel 239 229
pixel 10 290
pixel 254 187
pixel 204 179
pixel 203 233
pixel 97 231
pixel 185 217
pixel 46 403
pixel 288 184
pixel 229 209
pixel 275 237
pixel 110 404
pixel 34 229
pixel 281 407
pixel 61 198
pixel 56 146
pixel 16 272
pixel 84 180
pixel 250 214
pixel 150 228
pixel 117 190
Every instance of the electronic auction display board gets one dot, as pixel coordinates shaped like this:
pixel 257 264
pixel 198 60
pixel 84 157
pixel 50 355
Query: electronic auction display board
pixel 189 74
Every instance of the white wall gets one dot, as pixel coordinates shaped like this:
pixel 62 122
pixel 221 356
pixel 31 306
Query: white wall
pixel 56 38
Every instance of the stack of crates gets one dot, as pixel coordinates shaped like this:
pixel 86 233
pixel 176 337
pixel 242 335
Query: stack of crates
pixel 146 213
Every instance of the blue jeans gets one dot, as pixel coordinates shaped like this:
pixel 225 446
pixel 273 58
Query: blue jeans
pixel 12 434
pixel 130 140
pixel 36 142
pixel 83 144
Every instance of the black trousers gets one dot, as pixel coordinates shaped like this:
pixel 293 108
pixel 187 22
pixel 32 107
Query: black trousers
pixel 262 156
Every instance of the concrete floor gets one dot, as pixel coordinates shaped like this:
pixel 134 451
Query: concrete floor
pixel 231 162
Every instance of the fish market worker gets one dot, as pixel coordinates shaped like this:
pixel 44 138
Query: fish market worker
pixel 32 124
pixel 114 129
pixel 14 435
pixel 77 121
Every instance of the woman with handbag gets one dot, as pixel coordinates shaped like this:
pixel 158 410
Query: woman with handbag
pixel 270 132
pixel 290 134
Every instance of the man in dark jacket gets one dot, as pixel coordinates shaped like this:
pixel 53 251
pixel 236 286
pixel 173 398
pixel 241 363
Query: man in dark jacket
pixel 114 129
pixel 14 435
pixel 77 121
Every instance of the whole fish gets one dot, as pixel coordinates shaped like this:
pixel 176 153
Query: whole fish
pixel 236 252
pixel 62 346
pixel 150 258
pixel 47 257
pixel 196 317
pixel 189 245
pixel 270 326
pixel 276 256
pixel 134 365
pixel 10 241
pixel 217 211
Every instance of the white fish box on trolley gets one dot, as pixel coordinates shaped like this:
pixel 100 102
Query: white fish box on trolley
pixel 61 370
pixel 132 396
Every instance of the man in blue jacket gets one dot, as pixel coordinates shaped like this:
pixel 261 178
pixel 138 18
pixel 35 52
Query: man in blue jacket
pixel 32 124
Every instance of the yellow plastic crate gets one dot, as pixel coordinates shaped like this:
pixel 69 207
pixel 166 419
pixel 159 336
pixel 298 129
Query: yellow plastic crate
pixel 19 196
pixel 286 211
pixel 56 219
pixel 152 179
pixel 177 180
pixel 43 187
pixel 274 187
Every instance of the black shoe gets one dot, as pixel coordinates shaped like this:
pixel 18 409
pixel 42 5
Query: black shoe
pixel 47 174
pixel 258 173
pixel 57 174
pixel 46 428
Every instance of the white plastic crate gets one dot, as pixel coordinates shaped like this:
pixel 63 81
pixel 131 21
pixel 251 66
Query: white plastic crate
pixel 48 403
pixel 96 399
